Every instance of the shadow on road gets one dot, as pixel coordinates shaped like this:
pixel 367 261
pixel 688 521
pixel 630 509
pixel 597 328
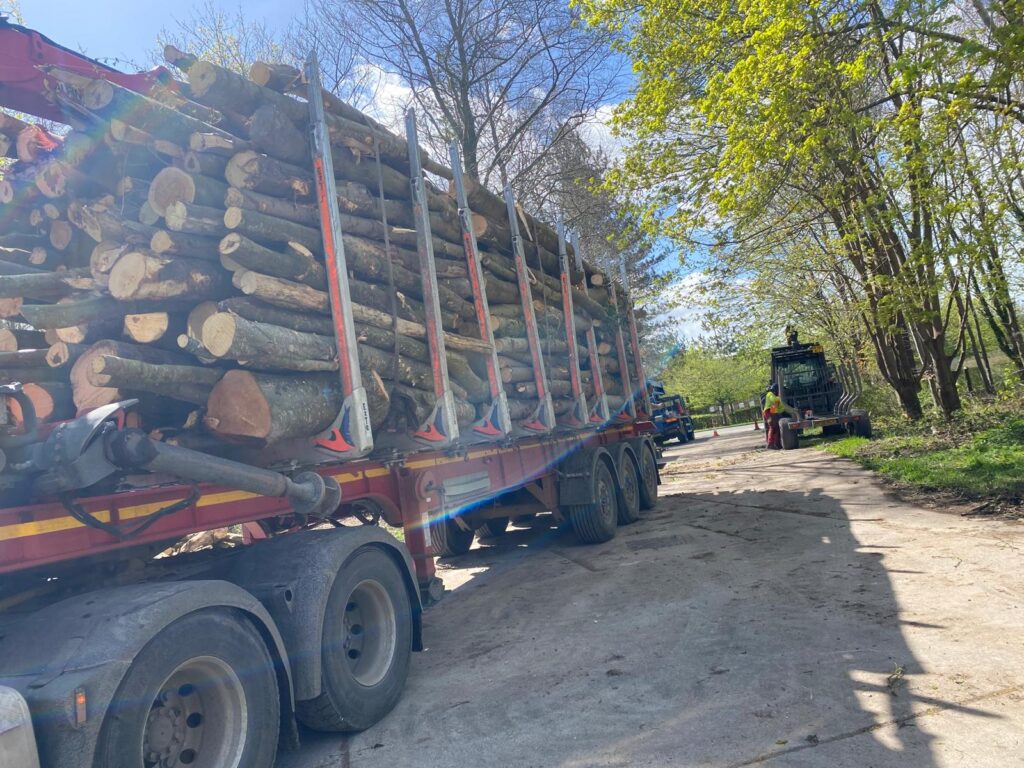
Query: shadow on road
pixel 724 629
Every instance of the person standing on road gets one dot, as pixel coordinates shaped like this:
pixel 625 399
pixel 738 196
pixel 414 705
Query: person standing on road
pixel 773 407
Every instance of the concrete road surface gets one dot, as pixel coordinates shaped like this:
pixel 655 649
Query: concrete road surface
pixel 776 609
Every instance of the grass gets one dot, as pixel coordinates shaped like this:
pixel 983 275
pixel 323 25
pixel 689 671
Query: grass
pixel 979 455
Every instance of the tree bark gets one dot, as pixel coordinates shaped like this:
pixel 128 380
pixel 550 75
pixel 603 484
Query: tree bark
pixel 268 229
pixel 189 383
pixel 253 171
pixel 169 243
pixel 229 336
pixel 195 220
pixel 294 263
pixel 88 395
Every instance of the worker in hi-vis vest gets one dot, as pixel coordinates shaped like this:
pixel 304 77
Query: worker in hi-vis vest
pixel 773 408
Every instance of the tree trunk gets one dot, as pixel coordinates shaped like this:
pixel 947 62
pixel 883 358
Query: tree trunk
pixel 265 409
pixel 268 229
pixel 88 395
pixel 169 243
pixel 195 220
pixel 188 383
pixel 271 346
pixel 294 263
pixel 256 311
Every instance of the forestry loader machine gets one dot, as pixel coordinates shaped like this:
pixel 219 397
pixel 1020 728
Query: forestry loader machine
pixel 813 388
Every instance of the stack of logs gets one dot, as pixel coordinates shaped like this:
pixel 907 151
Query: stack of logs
pixel 168 249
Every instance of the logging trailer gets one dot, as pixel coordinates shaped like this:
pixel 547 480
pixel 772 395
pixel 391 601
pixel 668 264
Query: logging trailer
pixel 114 652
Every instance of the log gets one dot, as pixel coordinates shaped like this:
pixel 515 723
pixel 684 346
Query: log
pixel 62 354
pixel 150 327
pixel 61 235
pixel 216 144
pixel 113 101
pixel 15 268
pixel 221 88
pixel 268 229
pixel 229 336
pixel 271 131
pixel 287 79
pixel 189 383
pixel 23 358
pixel 127 135
pixel 105 255
pixel 174 185
pixel 101 223
pixel 205 163
pixel 51 402
pixel 88 395
pixel 282 293
pixel 293 263
pixel 257 311
pixel 141 275
pixel 169 243
pixel 281 208
pixel 13 339
pixel 459 369
pixel 253 171
pixel 264 409
pixel 70 312
pixel 195 220
pixel 44 285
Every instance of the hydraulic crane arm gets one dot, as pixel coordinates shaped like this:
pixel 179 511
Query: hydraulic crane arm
pixel 24 85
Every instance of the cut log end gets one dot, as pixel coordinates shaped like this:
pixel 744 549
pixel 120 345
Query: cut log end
pixel 218 332
pixel 238 408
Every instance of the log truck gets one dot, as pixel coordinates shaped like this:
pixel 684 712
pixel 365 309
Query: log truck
pixel 114 652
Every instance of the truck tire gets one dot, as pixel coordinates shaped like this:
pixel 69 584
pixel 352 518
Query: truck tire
pixel 493 528
pixel 629 489
pixel 790 439
pixel 648 476
pixel 449 539
pixel 596 523
pixel 201 693
pixel 365 648
pixel 861 427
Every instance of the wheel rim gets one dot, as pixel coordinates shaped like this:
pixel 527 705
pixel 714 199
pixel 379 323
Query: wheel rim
pixel 199 718
pixel 606 496
pixel 650 472
pixel 630 489
pixel 371 632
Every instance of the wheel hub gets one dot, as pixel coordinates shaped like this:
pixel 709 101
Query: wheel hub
pixel 197 719
pixel 370 630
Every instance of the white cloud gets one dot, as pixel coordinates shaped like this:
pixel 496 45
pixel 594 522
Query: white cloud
pixel 683 305
pixel 388 96
pixel 597 132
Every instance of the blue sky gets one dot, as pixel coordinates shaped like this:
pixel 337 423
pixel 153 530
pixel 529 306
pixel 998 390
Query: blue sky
pixel 128 29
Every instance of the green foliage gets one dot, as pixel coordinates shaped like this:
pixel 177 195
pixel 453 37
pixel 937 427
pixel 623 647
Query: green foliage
pixel 980 454
pixel 706 377
pixel 851 164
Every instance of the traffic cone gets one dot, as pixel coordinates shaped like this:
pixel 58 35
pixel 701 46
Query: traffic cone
pixel 714 433
pixel 757 427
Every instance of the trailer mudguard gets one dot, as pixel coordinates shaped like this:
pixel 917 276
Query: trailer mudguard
pixel 575 473
pixel 293 575
pixel 89 641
